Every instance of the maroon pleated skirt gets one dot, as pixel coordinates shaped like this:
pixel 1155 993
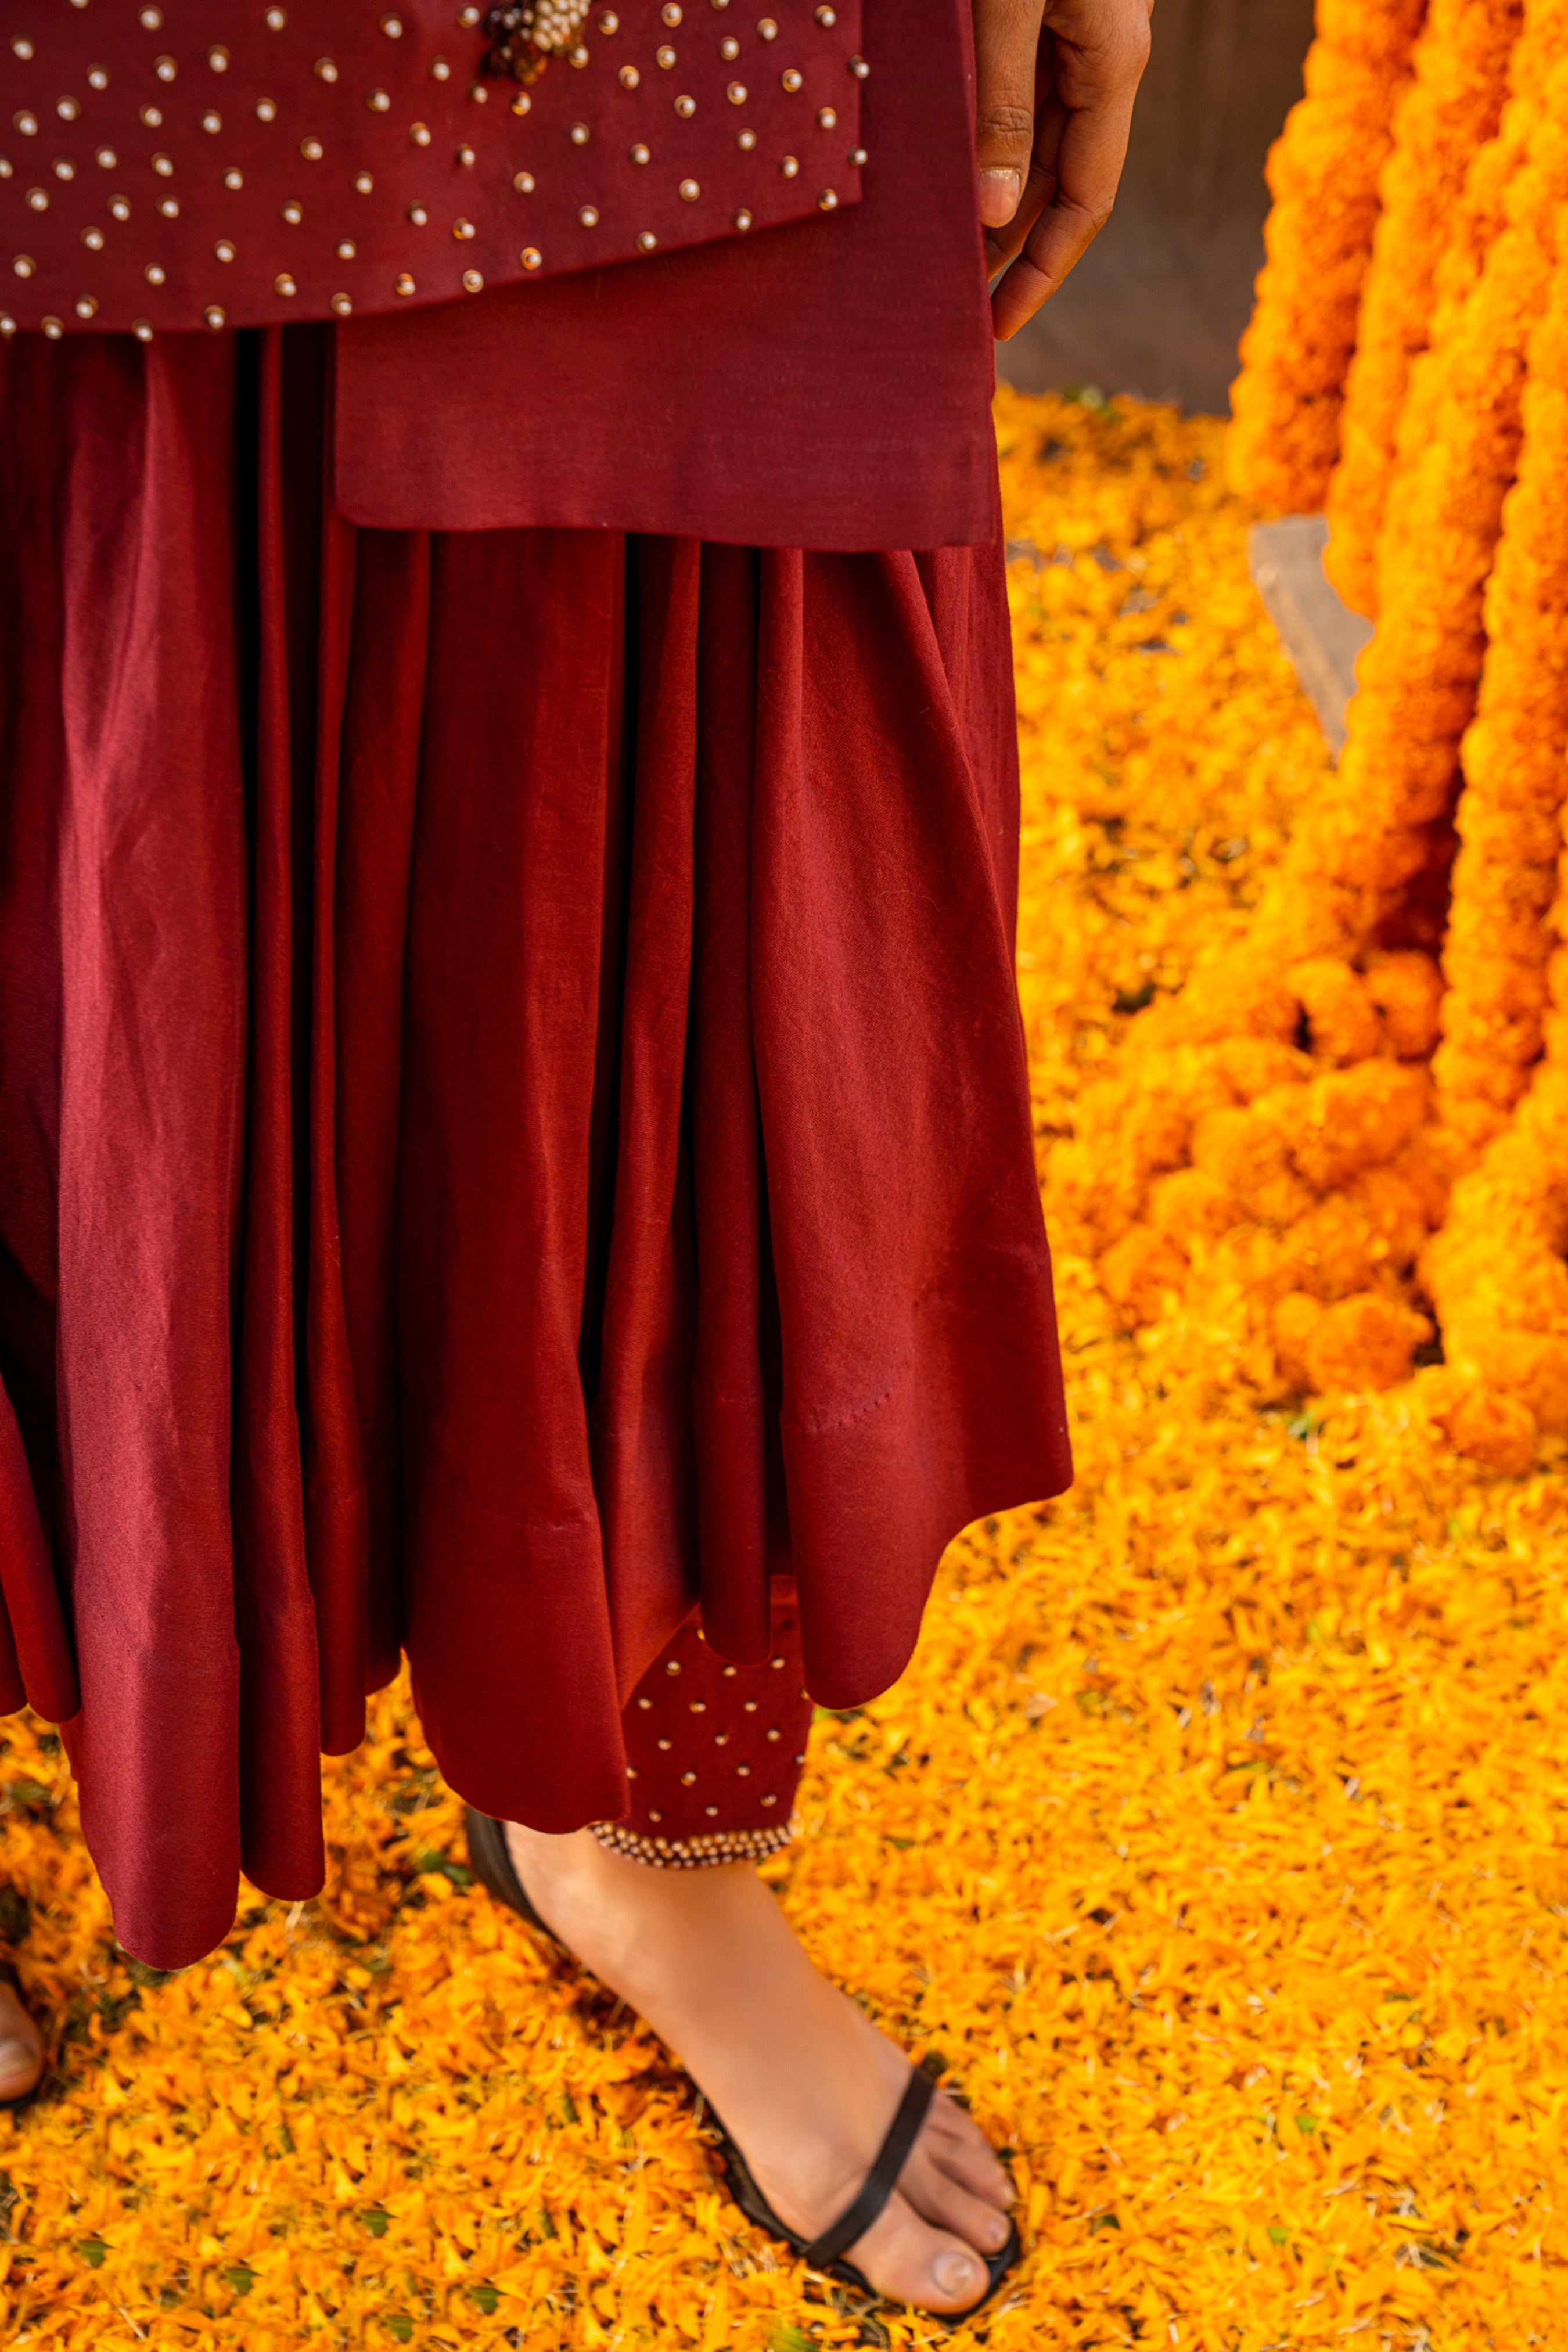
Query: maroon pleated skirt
pixel 513 1119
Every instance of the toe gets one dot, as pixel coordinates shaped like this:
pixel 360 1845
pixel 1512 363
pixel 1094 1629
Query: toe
pixel 955 2141
pixel 21 2063
pixel 947 2204
pixel 909 2261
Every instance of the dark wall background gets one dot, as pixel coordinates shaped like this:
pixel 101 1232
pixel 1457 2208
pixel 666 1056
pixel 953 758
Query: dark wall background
pixel 1156 305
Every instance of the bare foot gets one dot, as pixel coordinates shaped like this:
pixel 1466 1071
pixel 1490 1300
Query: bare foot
pixel 21 2047
pixel 804 2079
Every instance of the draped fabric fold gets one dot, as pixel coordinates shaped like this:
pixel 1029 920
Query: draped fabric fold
pixel 513 1123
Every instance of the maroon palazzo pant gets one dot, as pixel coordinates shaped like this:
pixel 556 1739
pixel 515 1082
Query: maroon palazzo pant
pixel 513 1119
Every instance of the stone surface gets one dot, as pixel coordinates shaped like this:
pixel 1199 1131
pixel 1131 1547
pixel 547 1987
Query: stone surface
pixel 1319 632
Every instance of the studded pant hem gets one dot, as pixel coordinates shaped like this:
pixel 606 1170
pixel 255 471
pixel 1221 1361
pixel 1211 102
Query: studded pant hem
pixel 704 1852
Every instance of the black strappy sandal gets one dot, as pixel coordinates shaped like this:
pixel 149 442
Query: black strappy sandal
pixel 494 1868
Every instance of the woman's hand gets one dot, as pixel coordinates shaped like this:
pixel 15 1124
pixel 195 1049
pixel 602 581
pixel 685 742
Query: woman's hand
pixel 1056 84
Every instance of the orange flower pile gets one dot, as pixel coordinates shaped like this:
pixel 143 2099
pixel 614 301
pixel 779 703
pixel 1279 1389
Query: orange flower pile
pixel 1448 111
pixel 1323 172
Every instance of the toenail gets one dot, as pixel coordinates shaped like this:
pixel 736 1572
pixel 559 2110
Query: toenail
pixel 996 2233
pixel 955 2274
pixel 15 2057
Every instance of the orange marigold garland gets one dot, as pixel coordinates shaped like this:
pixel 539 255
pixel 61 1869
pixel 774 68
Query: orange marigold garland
pixel 1497 946
pixel 1323 172
pixel 1450 109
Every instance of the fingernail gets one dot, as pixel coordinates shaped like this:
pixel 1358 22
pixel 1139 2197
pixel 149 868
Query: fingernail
pixel 999 194
pixel 955 2274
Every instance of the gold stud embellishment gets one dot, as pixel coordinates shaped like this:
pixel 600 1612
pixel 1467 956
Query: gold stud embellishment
pixel 439 69
pixel 292 213
pixel 234 177
pixel 531 258
pixel 628 76
pixel 473 281
pixel 212 123
pixel 521 103
pixel 743 220
pixel 97 77
pixel 468 18
pixel 828 202
pixel 670 12
pixel 647 243
pixel 857 157
pixel 142 329
pixel 860 68
pixel 21 46
pixel 826 118
pixel 120 208
pixel 343 304
pixel 276 20
pixel 312 150
pixel 7 324
pixel 23 265
pixel 393 27
pixel 417 214
pixel 768 29
pixel 378 102
pixel 155 273
pixel 589 215
pixel 463 229
pixel 737 93
pixel 266 110
pixel 93 239
pixel 419 133
pixel 641 154
pixel 151 20
pixel 67 109
pixel 170 207
pixel 792 78
pixel 579 134
pixel 790 167
pixel 346 248
pixel 214 316
pixel 164 166
pixel 403 283
pixel 364 183
pixel 166 69
pixel 223 249
pixel 825 16
pixel 728 48
pixel 746 139
pixel 284 284
pixel 217 58
pixel 151 116
pixel 37 200
pixel 85 305
pixel 609 23
pixel 689 191
pixel 53 329
pixel 524 183
pixel 665 57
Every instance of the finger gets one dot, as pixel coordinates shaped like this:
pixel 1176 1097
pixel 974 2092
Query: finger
pixel 1003 245
pixel 1006 50
pixel 1095 89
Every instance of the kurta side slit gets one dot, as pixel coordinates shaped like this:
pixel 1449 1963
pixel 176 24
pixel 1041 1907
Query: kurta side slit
pixel 516 1143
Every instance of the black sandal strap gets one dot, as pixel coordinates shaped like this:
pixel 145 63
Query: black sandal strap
pixel 882 2178
pixel 490 1857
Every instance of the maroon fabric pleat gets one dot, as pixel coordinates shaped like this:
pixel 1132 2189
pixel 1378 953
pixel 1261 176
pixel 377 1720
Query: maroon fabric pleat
pixel 526 1014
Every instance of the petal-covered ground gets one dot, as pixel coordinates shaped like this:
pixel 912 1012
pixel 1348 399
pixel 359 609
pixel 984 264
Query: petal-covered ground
pixel 1216 1840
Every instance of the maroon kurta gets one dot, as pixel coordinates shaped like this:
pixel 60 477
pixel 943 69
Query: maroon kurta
pixel 513 1120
